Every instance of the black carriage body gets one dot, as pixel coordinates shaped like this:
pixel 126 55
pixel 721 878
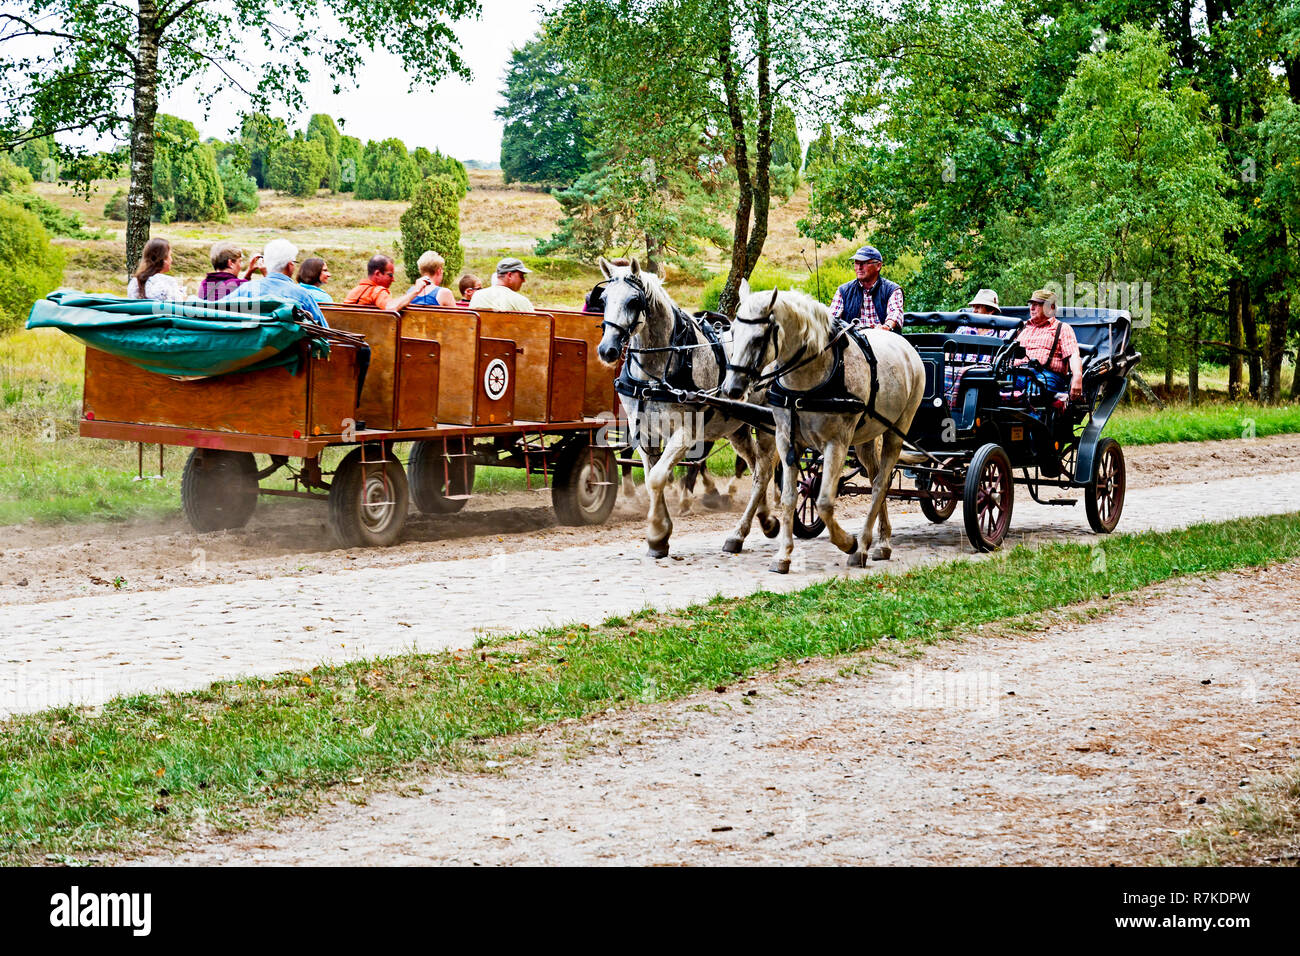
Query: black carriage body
pixel 994 403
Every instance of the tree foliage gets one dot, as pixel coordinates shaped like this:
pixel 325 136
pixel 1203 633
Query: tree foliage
pixel 239 188
pixel 432 222
pixel 387 171
pixel 321 128
pixel 547 133
pixel 298 166
pixel 261 135
pixel 30 267
pixel 349 163
pixel 95 68
pixel 185 181
pixel 436 164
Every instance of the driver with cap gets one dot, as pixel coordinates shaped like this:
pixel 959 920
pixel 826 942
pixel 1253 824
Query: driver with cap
pixel 1052 344
pixel 870 299
pixel 503 295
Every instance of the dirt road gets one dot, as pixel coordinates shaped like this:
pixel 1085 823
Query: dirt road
pixel 262 613
pixel 1082 743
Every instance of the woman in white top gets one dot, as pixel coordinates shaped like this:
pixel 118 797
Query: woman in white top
pixel 155 263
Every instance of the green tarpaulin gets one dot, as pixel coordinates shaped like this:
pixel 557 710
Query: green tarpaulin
pixel 192 339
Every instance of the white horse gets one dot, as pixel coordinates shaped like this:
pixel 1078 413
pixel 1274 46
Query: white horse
pixel 814 410
pixel 640 315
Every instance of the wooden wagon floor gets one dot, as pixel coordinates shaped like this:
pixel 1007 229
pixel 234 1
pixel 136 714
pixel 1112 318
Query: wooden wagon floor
pixel 1086 743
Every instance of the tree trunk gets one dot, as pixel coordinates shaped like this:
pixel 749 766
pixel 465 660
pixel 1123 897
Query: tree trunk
pixel 763 161
pixel 729 300
pixel 1279 317
pixel 139 200
pixel 1169 358
pixel 1250 332
pixel 652 247
pixel 1236 292
pixel 1194 361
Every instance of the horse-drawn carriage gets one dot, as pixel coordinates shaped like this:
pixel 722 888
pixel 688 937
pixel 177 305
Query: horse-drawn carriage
pixel 983 416
pixel 465 388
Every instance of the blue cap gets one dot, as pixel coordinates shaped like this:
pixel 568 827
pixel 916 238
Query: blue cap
pixel 868 254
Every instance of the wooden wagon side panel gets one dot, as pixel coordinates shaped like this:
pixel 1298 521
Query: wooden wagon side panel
pixel 457 333
pixel 599 390
pixel 531 332
pixel 417 386
pixel 333 390
pixel 568 379
pixel 267 402
pixel 382 330
pixel 496 370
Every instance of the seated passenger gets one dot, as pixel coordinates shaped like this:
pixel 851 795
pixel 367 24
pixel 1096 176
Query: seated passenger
pixel 1052 344
pixel 431 265
pixel 468 285
pixel 984 303
pixel 312 274
pixel 280 256
pixel 373 290
pixel 504 295
pixel 226 257
pixel 151 280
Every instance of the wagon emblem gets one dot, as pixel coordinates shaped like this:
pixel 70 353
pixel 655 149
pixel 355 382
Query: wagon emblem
pixel 496 378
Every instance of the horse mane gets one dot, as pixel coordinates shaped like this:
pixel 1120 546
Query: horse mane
pixel 803 318
pixel 654 289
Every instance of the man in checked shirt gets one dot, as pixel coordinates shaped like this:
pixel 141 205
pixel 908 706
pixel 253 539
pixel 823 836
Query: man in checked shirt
pixel 1051 343
pixel 869 300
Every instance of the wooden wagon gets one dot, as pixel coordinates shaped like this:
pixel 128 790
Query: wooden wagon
pixel 466 388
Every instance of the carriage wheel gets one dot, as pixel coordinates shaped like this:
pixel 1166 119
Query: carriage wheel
pixel 989 494
pixel 368 499
pixel 219 489
pixel 1103 497
pixel 585 487
pixel 440 485
pixel 807 522
pixel 943 503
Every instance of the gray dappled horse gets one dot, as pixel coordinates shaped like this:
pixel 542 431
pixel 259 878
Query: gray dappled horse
pixel 668 349
pixel 829 382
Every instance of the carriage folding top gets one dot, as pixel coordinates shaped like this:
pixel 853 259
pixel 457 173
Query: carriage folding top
pixel 231 380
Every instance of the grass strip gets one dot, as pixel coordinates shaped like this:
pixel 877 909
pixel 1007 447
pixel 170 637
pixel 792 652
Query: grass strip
pixel 1258 830
pixel 146 767
pixel 1148 426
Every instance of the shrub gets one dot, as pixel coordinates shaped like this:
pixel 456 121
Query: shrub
pixel 13 177
pixel 115 208
pixel 55 220
pixel 349 163
pixel 436 164
pixel 36 157
pixel 29 266
pixel 185 181
pixel 432 221
pixel 763 277
pixel 321 128
pixel 240 188
pixel 298 166
pixel 387 171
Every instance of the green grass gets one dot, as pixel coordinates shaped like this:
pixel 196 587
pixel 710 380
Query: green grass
pixel 1148 426
pixel 1263 828
pixel 147 767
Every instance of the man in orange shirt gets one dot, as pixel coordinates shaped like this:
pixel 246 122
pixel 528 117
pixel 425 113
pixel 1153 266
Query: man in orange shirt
pixel 374 289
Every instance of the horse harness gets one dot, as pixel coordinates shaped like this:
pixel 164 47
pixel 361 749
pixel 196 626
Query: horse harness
pixel 832 394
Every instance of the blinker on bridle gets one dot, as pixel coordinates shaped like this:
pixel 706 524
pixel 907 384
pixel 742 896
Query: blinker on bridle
pixel 638 304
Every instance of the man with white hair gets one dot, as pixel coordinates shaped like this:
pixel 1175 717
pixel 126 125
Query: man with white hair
pixel 280 256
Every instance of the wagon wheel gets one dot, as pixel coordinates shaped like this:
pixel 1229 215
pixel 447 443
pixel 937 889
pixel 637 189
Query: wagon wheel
pixel 219 489
pixel 586 484
pixel 943 501
pixel 440 485
pixel 368 499
pixel 1103 496
pixel 988 497
pixel 807 522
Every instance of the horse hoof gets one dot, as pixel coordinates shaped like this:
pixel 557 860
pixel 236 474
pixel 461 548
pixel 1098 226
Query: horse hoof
pixel 856 560
pixel 881 554
pixel 771 527
pixel 733 545
pixel 781 566
pixel 660 552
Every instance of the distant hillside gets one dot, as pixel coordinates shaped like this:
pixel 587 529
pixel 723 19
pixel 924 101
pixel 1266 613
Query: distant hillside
pixel 482 163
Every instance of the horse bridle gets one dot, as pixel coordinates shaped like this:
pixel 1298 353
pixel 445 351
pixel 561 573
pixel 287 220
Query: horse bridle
pixel 638 304
pixel 753 372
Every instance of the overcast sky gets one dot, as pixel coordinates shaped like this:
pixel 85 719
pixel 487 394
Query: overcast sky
pixel 457 117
